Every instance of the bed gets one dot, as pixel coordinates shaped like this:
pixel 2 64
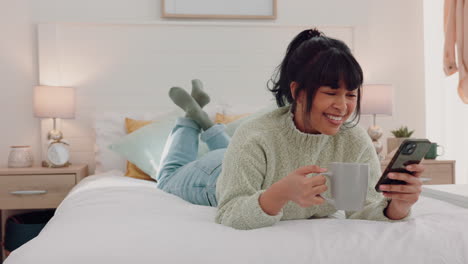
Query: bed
pixel 109 218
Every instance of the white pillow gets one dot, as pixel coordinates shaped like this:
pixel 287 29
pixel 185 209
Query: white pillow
pixel 110 126
pixel 236 109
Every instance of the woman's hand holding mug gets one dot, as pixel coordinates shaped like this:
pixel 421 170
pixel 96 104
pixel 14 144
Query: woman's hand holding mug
pixel 302 190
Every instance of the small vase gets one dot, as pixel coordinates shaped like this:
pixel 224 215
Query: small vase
pixel 20 157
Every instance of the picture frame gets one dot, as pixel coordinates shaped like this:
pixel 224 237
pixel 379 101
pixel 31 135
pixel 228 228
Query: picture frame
pixel 219 9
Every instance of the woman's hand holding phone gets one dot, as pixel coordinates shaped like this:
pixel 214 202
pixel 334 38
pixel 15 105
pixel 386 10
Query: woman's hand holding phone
pixel 403 195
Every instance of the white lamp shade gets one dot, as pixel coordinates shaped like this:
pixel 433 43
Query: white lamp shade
pixel 54 102
pixel 377 99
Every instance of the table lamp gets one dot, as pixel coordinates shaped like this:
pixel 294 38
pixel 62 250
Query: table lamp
pixel 54 102
pixel 377 99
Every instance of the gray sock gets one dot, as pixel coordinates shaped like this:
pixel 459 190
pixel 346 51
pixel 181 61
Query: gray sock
pixel 198 94
pixel 193 111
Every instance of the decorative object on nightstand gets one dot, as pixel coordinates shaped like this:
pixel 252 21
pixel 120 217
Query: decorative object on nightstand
pixel 434 152
pixel 35 188
pixel 20 157
pixel 400 135
pixel 377 99
pixel 55 102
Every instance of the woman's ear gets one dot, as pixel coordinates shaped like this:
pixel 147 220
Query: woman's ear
pixel 293 86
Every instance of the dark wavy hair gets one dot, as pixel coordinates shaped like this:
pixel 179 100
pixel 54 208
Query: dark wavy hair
pixel 313 60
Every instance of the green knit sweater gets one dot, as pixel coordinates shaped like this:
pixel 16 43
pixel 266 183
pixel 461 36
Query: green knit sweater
pixel 268 148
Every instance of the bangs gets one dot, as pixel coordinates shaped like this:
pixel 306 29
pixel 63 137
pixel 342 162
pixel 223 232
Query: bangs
pixel 331 67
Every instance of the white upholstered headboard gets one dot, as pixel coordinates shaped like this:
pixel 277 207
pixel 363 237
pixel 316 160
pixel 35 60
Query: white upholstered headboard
pixel 130 67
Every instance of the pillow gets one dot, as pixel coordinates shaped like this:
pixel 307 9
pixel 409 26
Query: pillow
pixel 132 170
pixel 132 124
pixel 226 119
pixel 219 119
pixel 145 146
pixel 231 127
pixel 110 126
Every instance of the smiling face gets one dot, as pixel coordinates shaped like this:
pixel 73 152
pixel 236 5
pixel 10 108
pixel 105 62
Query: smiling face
pixel 330 109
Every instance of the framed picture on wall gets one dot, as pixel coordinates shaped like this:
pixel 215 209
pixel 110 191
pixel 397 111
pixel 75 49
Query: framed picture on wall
pixel 219 9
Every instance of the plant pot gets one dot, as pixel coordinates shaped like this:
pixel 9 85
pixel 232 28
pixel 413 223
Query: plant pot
pixel 394 143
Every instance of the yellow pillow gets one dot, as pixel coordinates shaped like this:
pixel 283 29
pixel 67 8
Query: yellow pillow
pixel 132 170
pixel 225 119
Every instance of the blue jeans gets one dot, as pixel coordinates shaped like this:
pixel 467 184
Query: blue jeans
pixel 181 173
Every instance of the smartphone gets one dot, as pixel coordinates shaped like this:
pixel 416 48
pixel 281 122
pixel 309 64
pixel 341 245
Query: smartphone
pixel 411 151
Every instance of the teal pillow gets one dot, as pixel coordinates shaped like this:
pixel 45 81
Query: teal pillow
pixel 144 147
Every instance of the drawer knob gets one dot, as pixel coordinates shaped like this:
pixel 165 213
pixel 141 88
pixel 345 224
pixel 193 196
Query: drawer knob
pixel 29 192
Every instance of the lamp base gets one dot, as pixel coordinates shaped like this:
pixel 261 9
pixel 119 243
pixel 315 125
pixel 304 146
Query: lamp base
pixel 47 164
pixel 54 134
pixel 378 149
pixel 375 133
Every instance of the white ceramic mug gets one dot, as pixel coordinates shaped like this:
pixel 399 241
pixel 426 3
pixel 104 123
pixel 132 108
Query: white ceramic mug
pixel 348 185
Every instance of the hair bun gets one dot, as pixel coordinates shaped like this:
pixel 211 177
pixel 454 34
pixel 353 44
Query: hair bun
pixel 314 33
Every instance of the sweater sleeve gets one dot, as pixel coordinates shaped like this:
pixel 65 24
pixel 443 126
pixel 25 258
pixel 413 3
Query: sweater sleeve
pixel 239 186
pixel 376 203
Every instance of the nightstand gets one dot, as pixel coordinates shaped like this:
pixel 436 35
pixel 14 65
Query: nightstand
pixel 439 171
pixel 35 188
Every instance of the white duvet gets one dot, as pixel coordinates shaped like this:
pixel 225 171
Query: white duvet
pixel 108 218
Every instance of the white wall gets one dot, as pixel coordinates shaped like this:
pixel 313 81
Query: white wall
pixel 446 113
pixel 388 41
pixel 18 73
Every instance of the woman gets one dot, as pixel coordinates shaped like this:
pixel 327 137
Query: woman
pixel 263 178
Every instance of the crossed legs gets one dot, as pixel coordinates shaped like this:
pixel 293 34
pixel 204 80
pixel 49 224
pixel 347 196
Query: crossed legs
pixel 180 172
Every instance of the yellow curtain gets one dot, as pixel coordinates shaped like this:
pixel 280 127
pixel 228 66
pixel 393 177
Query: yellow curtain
pixel 456 35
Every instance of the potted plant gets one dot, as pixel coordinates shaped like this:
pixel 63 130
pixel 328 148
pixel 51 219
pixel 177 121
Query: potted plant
pixel 400 135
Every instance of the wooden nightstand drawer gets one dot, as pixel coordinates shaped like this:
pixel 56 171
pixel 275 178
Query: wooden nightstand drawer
pixel 439 173
pixel 34 191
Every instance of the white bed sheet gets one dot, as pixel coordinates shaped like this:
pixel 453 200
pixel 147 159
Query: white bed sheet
pixel 109 219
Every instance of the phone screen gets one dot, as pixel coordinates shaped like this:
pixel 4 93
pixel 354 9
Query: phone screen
pixel 411 151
